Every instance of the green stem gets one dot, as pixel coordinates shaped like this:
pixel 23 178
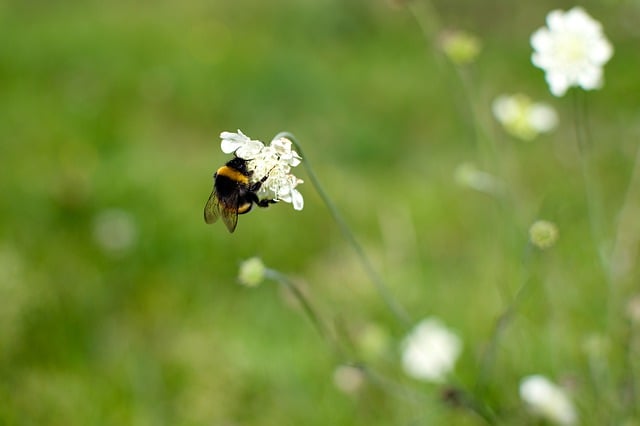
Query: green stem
pixel 393 305
pixel 593 206
pixel 489 355
pixel 306 306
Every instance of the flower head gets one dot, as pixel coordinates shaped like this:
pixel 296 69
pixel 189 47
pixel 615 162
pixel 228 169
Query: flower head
pixel 543 234
pixel 252 272
pixel 460 47
pixel 571 49
pixel 523 118
pixel 547 400
pixel 273 161
pixel 430 351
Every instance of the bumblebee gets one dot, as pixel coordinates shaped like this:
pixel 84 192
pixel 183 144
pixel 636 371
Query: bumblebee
pixel 233 193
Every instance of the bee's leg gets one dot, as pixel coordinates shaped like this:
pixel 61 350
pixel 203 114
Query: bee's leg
pixel 265 203
pixel 260 203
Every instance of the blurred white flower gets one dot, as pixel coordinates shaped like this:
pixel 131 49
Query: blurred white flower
pixel 348 379
pixel 252 272
pixel 522 117
pixel 115 231
pixel 572 50
pixel 430 351
pixel 467 174
pixel 547 400
pixel 240 144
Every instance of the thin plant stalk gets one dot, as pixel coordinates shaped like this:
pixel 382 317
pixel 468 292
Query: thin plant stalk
pixel 489 355
pixel 628 229
pixel 302 299
pixel 593 206
pixel 382 289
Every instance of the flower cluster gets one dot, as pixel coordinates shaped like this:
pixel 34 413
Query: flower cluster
pixel 572 50
pixel 274 161
pixel 523 118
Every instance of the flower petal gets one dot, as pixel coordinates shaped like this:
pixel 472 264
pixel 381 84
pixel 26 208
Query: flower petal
pixel 558 83
pixel 298 201
pixel 590 78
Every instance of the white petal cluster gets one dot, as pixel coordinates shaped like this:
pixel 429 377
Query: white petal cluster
pixel 274 160
pixel 240 144
pixel 430 351
pixel 571 49
pixel 523 118
pixel 547 400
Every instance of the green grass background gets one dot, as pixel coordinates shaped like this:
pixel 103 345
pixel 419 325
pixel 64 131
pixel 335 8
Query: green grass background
pixel 119 105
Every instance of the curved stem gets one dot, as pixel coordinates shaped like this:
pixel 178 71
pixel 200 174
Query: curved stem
pixel 306 306
pixel 393 305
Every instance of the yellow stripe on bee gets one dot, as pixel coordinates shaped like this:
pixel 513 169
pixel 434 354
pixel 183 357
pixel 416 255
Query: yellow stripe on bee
pixel 232 174
pixel 244 208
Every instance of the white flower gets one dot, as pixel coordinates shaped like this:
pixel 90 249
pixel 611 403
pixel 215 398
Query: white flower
pixel 572 50
pixel 522 117
pixel 430 351
pixel 547 400
pixel 273 161
pixel 240 144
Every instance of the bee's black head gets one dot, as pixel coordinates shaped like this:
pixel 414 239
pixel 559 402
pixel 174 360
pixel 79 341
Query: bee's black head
pixel 239 164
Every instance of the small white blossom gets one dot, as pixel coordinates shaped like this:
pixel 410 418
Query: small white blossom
pixel 572 50
pixel 430 351
pixel 240 144
pixel 547 400
pixel 523 118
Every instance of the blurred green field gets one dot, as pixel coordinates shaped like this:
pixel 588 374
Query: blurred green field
pixel 119 306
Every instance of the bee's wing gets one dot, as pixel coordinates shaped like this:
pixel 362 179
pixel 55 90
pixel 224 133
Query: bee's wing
pixel 229 217
pixel 214 209
pixel 211 209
